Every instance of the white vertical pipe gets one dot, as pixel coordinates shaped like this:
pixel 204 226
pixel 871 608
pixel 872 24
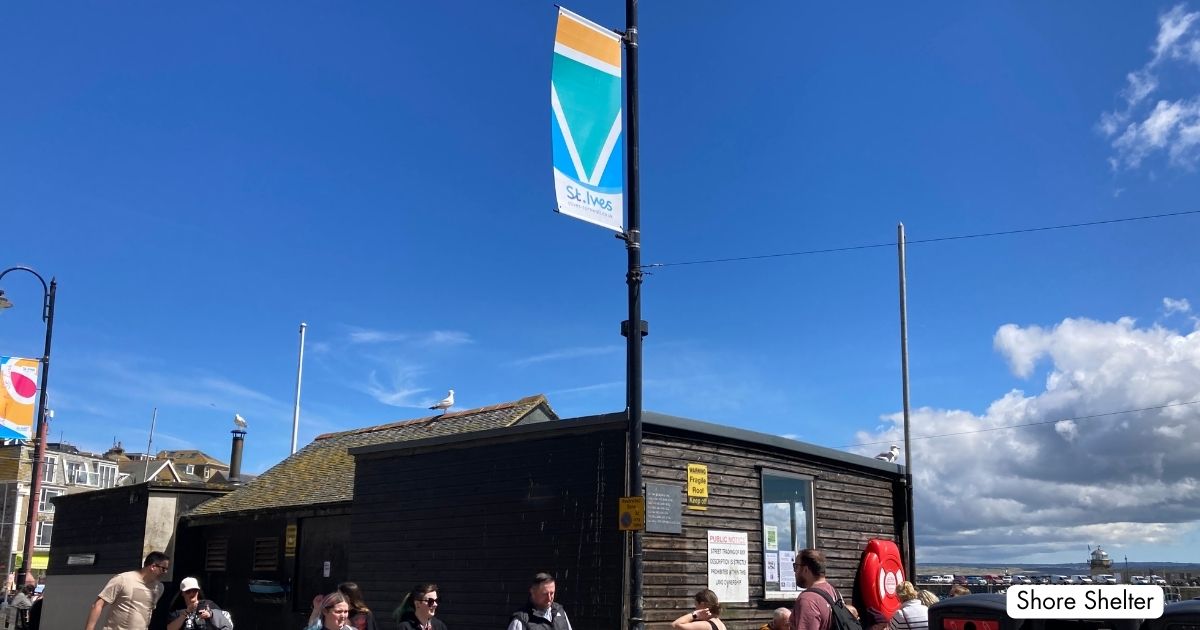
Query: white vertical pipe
pixel 299 377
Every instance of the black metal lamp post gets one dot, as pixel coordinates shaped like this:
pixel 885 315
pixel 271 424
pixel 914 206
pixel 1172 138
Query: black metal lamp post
pixel 39 441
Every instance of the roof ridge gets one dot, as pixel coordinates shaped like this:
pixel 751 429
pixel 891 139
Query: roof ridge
pixel 528 401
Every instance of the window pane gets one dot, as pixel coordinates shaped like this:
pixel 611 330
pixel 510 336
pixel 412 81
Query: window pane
pixel 787 528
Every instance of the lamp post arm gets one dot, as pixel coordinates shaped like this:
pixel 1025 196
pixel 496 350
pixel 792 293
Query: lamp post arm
pixel 47 307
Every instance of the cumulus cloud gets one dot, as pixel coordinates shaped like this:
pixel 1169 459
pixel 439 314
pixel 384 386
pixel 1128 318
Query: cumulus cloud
pixel 1170 126
pixel 1076 473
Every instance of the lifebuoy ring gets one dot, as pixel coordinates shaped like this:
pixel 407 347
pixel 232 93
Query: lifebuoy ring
pixel 880 573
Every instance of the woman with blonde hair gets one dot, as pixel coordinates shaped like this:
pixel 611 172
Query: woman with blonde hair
pixel 913 615
pixel 928 598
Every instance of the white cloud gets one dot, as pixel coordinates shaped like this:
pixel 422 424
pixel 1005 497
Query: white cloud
pixel 565 353
pixel 1083 474
pixel 1172 306
pixel 1171 126
pixel 431 338
pixel 397 387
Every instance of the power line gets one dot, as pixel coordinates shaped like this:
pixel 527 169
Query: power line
pixel 832 250
pixel 1032 424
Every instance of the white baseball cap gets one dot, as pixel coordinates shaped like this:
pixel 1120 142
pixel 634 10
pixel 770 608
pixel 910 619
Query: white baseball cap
pixel 188 584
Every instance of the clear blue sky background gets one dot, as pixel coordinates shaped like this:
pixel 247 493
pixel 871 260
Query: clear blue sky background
pixel 203 177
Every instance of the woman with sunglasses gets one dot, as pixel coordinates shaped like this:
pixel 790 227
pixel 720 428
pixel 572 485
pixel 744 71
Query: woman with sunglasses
pixel 418 609
pixel 334 613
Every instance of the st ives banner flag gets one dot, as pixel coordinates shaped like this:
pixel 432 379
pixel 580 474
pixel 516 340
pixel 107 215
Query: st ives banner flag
pixel 585 96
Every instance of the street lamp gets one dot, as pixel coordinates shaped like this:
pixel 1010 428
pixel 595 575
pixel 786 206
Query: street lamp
pixel 39 441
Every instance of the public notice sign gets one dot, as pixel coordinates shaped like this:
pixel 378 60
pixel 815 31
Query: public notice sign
pixel 729 566
pixel 585 125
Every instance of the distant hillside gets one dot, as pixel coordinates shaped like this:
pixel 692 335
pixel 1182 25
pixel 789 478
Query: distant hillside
pixel 1066 568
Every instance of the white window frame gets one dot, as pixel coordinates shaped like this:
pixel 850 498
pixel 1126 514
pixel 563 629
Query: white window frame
pixel 106 474
pixel 44 504
pixel 190 469
pixel 49 468
pixel 43 539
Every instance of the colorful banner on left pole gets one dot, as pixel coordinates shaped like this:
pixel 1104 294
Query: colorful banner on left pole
pixel 17 394
pixel 585 97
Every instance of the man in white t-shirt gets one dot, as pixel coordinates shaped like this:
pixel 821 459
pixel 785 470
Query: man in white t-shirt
pixel 131 596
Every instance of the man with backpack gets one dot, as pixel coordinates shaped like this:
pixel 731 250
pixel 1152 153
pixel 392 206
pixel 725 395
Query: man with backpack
pixel 819 606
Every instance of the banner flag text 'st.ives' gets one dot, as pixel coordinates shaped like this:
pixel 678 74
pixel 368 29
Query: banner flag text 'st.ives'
pixel 585 98
pixel 17 393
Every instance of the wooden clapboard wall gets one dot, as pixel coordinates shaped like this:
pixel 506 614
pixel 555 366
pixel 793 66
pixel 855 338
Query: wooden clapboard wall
pixel 851 505
pixel 481 516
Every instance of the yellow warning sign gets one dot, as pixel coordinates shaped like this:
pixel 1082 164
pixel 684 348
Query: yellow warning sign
pixel 633 514
pixel 697 487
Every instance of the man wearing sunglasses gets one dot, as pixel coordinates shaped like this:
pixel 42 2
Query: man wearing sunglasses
pixel 131 596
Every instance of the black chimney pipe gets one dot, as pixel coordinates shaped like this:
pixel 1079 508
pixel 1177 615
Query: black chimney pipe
pixel 235 455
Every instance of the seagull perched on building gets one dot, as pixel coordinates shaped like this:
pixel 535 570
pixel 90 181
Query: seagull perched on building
pixel 239 421
pixel 445 403
pixel 891 455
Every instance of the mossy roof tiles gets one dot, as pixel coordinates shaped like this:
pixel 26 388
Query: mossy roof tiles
pixel 323 471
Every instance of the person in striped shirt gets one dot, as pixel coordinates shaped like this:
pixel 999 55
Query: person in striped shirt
pixel 913 615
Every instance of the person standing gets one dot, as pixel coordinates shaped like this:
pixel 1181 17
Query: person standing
pixel 706 616
pixel 811 611
pixel 541 611
pixel 335 611
pixel 197 613
pixel 361 617
pixel 913 614
pixel 131 596
pixel 417 610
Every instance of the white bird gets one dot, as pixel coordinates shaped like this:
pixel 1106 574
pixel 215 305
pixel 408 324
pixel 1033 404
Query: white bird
pixel 891 455
pixel 445 403
pixel 239 421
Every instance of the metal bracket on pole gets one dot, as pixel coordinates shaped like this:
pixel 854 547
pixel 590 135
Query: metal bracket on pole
pixel 645 328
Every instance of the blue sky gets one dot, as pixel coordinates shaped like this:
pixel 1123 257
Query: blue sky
pixel 202 178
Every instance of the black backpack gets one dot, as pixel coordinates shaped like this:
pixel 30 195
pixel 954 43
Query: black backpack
pixel 841 618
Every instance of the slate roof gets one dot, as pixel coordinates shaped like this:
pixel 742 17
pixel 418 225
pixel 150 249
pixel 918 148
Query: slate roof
pixel 323 471
pixel 191 456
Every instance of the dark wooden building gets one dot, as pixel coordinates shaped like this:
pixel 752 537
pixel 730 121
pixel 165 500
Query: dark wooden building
pixel 478 513
pixel 264 550
pixel 102 533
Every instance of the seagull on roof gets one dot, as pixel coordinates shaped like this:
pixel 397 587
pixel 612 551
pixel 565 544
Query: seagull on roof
pixel 239 421
pixel 445 403
pixel 891 455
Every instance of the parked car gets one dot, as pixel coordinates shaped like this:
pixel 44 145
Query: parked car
pixel 1022 579
pixel 1139 579
pixel 1060 579
pixel 1158 580
pixel 976 580
pixel 1104 578
pixel 941 579
pixel 960 579
pixel 1082 579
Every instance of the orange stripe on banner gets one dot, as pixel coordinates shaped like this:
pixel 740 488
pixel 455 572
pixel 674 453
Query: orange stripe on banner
pixel 586 40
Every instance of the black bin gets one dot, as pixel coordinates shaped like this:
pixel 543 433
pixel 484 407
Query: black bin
pixel 1178 616
pixel 982 611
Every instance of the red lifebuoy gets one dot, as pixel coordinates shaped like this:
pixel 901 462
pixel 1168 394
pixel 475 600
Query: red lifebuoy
pixel 881 572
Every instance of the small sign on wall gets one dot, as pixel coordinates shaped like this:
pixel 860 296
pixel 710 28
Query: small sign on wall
pixel 632 512
pixel 325 569
pixel 289 540
pixel 663 511
pixel 697 486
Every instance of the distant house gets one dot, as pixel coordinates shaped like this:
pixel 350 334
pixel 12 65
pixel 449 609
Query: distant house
pixel 67 470
pixel 135 472
pixel 195 465
pixel 264 549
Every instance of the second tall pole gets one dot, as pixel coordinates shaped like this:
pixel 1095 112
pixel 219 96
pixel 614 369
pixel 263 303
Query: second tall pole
pixel 635 328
